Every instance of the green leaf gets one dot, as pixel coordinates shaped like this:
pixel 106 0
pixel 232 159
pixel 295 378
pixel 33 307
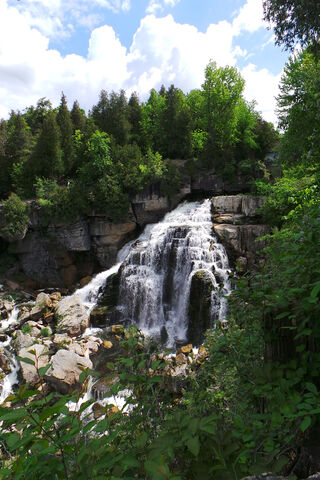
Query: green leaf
pixel 315 290
pixel 43 370
pixel 193 445
pixel 306 422
pixel 26 360
pixel 311 387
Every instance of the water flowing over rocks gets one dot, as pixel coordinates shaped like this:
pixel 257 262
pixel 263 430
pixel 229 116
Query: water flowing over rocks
pixel 155 279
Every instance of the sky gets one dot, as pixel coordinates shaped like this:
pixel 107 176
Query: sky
pixel 83 46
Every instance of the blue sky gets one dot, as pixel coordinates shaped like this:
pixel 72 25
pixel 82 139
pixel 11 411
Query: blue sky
pixel 82 46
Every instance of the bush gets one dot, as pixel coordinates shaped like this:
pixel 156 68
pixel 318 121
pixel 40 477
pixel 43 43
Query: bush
pixel 15 218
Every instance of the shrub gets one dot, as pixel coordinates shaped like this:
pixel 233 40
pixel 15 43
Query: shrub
pixel 15 218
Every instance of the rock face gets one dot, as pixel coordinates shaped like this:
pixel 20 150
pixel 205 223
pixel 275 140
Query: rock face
pixel 66 367
pixel 72 316
pixel 237 224
pixel 199 307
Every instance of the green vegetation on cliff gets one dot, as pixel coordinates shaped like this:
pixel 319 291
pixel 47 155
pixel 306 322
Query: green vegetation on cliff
pixel 75 163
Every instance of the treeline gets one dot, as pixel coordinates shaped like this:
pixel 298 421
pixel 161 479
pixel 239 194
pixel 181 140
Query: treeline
pixel 73 161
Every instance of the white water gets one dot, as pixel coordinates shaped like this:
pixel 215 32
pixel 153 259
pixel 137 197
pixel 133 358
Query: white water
pixel 156 277
pixel 11 379
pixel 90 292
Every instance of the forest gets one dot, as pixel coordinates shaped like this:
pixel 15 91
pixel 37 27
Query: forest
pixel 254 404
pixel 74 163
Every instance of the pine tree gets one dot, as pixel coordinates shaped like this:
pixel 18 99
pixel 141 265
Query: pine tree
pixel 47 154
pixel 134 115
pixel 78 117
pixel 66 130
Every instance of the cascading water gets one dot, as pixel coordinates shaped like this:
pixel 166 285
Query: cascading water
pixel 156 276
pixel 7 383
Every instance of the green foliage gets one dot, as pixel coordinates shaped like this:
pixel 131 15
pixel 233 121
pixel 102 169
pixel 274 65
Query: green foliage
pixel 58 202
pixel 299 107
pixel 15 218
pixel 293 190
pixel 65 125
pixel 294 21
pixel 45 332
pixel 26 329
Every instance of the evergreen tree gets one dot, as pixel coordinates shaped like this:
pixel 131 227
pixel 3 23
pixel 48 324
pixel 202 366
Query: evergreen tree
pixel 47 154
pixel 150 121
pixel 16 150
pixel 66 130
pixel 78 117
pixel 176 125
pixel 35 116
pixel 111 115
pixel 4 170
pixel 134 116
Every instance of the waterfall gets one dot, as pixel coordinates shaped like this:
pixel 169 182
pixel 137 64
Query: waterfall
pixel 7 383
pixel 157 273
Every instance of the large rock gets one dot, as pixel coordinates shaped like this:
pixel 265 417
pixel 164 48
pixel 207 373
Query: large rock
pixel 36 353
pixel 66 367
pixel 237 208
pixel 43 302
pixel 72 316
pixel 199 319
pixel 242 239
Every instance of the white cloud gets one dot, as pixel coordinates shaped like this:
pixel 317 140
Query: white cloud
pixel 263 87
pixel 52 17
pixel 159 5
pixel 249 17
pixel 162 51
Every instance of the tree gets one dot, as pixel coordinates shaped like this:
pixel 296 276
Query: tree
pixel 294 21
pixel 78 117
pixel 35 116
pixel 46 158
pixel 134 116
pixel 299 109
pixel 111 115
pixel 150 121
pixel 99 181
pixel 175 121
pixel 222 91
pixel 66 130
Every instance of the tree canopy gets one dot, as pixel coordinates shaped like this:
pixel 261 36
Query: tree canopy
pixel 294 21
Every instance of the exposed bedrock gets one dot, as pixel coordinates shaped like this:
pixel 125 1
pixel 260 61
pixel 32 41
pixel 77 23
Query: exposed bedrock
pixel 238 225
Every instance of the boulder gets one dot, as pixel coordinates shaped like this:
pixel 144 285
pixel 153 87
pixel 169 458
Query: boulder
pixel 22 340
pixel 199 318
pixel 66 367
pixel 4 363
pixel 36 353
pixel 72 316
pixel 43 302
